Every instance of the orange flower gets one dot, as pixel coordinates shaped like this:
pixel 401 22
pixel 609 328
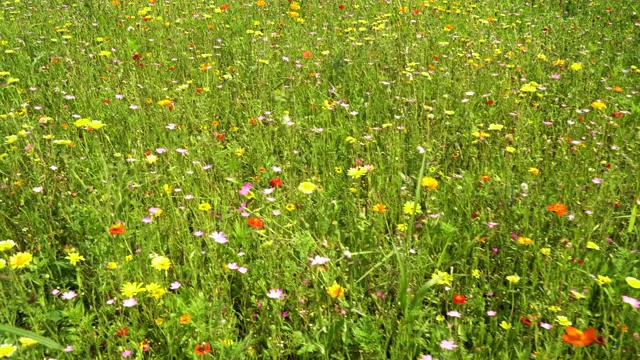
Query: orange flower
pixel 576 337
pixel 255 222
pixel 558 208
pixel 307 55
pixel 185 319
pixel 117 229
pixel 202 348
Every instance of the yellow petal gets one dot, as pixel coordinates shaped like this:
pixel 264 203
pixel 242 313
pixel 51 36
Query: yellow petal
pixel 633 282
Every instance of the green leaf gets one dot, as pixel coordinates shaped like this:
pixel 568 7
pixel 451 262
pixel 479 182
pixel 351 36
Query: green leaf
pixel 421 293
pixel 31 335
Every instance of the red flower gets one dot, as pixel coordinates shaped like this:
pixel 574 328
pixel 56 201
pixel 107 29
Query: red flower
pixel 202 348
pixel 341 6
pixel 459 299
pixel 136 57
pixel 490 102
pixel 122 332
pixel 220 137
pixel 255 222
pixel 275 182
pixel 117 229
pixel 307 55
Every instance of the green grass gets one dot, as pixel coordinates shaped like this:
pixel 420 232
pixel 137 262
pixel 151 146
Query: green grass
pixel 483 114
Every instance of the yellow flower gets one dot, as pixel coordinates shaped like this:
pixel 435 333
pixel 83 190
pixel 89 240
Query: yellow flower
pixel 576 66
pixel 379 208
pixel 439 318
pixel 74 258
pixel 128 258
pixel 411 208
pixel 603 280
pixel 529 87
pixel 577 295
pixel 593 246
pixel 338 169
pixel 514 279
pixel 26 342
pixel 357 172
pixel 480 134
pixel 81 122
pixel 150 159
pixel 7 350
pixel 112 265
pixel 307 187
pixel 534 171
pixel 185 319
pixel 444 278
pixel 167 189
pixel 496 127
pixel 10 139
pixel 350 140
pixel 599 105
pixel 545 251
pixel 239 152
pixel 290 207
pixel 564 321
pixel 510 149
pixel 227 342
pixel 20 260
pixel 294 6
pixel 204 206
pixel 155 290
pixel 554 308
pixel 6 245
pixel 159 321
pixel 430 183
pixel 505 325
pixel 95 125
pixel 159 262
pixel 401 227
pixel 104 53
pixel 131 289
pixel 165 102
pixel 523 240
pixel 633 282
pixel 335 291
pixel 3 263
pixel 476 273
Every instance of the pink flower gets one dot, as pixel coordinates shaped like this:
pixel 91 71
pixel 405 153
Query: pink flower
pixel 544 325
pixel 242 270
pixel 275 294
pixel 454 314
pixel 631 301
pixel 127 353
pixel 597 180
pixel 491 224
pixel 319 260
pixel 448 344
pixel 69 295
pixel 130 303
pixel 175 285
pixel 244 191
pixel 219 237
pixel 491 313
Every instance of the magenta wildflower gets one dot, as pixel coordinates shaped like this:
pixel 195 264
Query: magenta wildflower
pixel 275 294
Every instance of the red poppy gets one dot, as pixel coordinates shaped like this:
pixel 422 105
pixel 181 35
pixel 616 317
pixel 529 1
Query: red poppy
pixel 202 348
pixel 275 182
pixel 224 7
pixel 122 332
pixel 341 6
pixel 136 57
pixel 524 320
pixel 117 229
pixel 576 337
pixel 459 299
pixel 490 102
pixel 220 137
pixel 255 222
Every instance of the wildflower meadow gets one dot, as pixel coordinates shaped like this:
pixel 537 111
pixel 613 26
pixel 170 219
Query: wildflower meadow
pixel 319 179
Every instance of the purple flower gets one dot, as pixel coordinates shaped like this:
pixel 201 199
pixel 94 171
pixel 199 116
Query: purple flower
pixel 244 191
pixel 130 302
pixel 198 233
pixel 219 237
pixel 147 220
pixel 448 344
